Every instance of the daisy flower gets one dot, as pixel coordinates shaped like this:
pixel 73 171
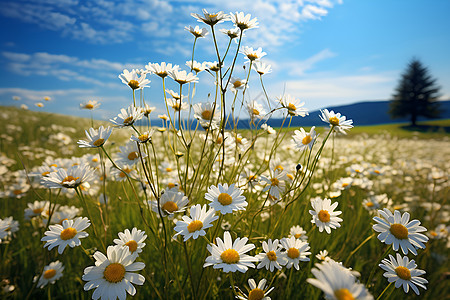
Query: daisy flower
pixel 143 138
pixel 196 31
pixel 261 68
pixel 335 120
pixel 323 255
pixel 3 230
pixel 8 226
pixel 268 129
pixel 177 104
pixel 70 178
pixel 324 215
pixel 232 33
pixel 147 110
pixel 259 291
pixel 69 233
pixel 403 272
pixel 255 110
pixel 130 154
pixel 182 77
pixel 196 66
pixel 134 240
pixel 211 18
pixel 203 112
pixel 272 257
pixel 230 256
pixel 293 105
pixel 91 104
pixel 162 70
pixel 134 79
pixel 396 229
pixel 275 184
pixel 337 282
pixel 127 117
pixel 237 84
pixel 304 140
pixel 213 66
pixel 298 232
pixel 95 138
pixel 296 251
pixel 243 21
pixel 171 202
pixel 36 208
pixel 226 199
pixel 121 174
pixel 39 104
pixel 251 54
pixel 195 225
pixel 51 273
pixel 113 274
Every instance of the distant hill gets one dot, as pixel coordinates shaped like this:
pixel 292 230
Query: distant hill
pixel 362 113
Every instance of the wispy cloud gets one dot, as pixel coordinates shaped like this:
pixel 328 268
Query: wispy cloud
pixel 299 68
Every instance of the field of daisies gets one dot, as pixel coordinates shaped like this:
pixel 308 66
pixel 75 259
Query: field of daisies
pixel 184 205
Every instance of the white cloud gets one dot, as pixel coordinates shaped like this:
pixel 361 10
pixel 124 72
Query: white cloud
pixel 300 67
pixel 38 95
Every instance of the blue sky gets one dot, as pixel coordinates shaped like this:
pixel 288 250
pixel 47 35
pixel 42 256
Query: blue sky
pixel 324 52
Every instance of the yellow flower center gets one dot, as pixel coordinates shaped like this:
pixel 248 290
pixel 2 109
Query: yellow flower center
pixel 275 181
pixel 290 176
pixel 219 140
pixel 124 172
pixel 99 142
pixel 37 211
pixel 62 220
pixel 272 256
pixel 69 179
pixel 343 294
pixel 291 106
pixel 128 121
pixel 133 155
pixel 53 165
pixel 237 83
pixel 17 192
pixel 170 206
pixel 134 84
pixel 68 233
pixel 403 273
pixel 229 256
pixel 433 233
pixel 45 173
pixel 376 171
pixel 114 272
pixel 345 184
pixel 89 106
pixel 399 231
pixel 143 137
pixel 132 245
pixel 324 216
pixel 306 140
pixel 255 112
pixel 297 235
pixel 334 121
pixel 211 16
pixel 369 204
pixel 252 177
pixel 171 185
pixel 49 273
pixel 293 253
pixel 207 114
pixel 256 294
pixel 194 226
pixel 169 169
pixel 225 199
pixel 279 167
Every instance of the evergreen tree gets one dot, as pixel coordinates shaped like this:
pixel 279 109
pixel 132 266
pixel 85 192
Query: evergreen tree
pixel 416 94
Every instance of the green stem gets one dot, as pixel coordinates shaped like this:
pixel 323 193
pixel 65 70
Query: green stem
pixel 379 297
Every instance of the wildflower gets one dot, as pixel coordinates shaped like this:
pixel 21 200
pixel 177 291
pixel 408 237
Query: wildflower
pixel 40 104
pixel 396 229
pixel 128 117
pixel 24 106
pixel 91 104
pixel 47 98
pixel 124 171
pixel 259 291
pixel 69 233
pixel 261 68
pixel 213 66
pixel 113 274
pixel 96 138
pixel 296 251
pixel 272 257
pixel 177 104
pixel 226 199
pixel 144 137
pixel 304 140
pixel 182 77
pixel 231 33
pixel 170 202
pixel 293 105
pixel 337 282
pixel 243 21
pixel 230 256
pixel 441 231
pixel 8 226
pixel 134 240
pixel 207 114
pixel 336 121
pixel 324 215
pixel 275 184
pixel 50 274
pixel 251 54
pixel 70 178
pixel 195 225
pixel 323 255
pixel 403 272
pixel 298 232
pixel 211 18
pixel 36 208
pixel 3 230
pixel 162 70
pixel 134 79
pixel 237 84
pixel 371 204
pixel 147 110
pixel 196 31
pixel 196 66
pixel 268 128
